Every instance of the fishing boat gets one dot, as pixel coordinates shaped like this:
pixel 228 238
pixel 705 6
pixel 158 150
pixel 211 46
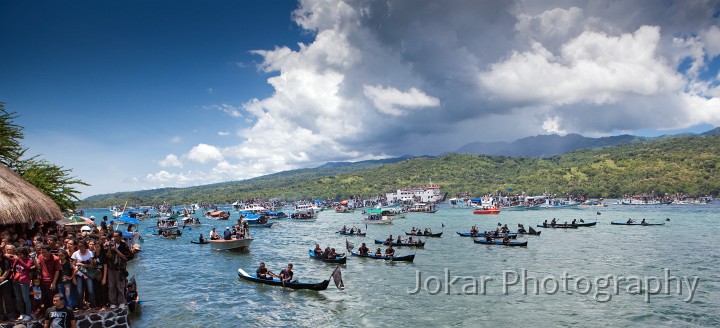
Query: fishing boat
pixel 372 219
pixel 512 235
pixel 487 210
pixel 301 218
pixel 258 220
pixel 643 200
pixel 419 244
pixel 512 243
pixel 405 258
pixel 637 223
pixel 423 208
pixel 432 235
pixel 339 259
pixel 238 244
pixel 276 282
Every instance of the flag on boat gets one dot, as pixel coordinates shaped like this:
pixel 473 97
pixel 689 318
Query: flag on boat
pixel 337 279
pixel 349 245
pixel 532 231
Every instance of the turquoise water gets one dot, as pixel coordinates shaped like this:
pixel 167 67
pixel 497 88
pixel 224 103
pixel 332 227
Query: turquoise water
pixel 189 285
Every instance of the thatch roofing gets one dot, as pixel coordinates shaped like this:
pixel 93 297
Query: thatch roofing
pixel 21 202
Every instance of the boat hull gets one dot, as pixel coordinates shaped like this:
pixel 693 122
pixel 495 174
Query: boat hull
pixel 231 245
pixel 406 258
pixel 432 235
pixel 419 245
pixel 352 234
pixel 558 226
pixel 637 224
pixel 512 235
pixel 292 285
pixel 512 243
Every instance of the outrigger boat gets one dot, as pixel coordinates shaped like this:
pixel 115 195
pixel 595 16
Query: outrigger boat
pixel 292 285
pixel 405 258
pixel 420 244
pixel 512 243
pixel 339 259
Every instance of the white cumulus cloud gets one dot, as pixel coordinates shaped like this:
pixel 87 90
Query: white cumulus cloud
pixel 170 160
pixel 204 153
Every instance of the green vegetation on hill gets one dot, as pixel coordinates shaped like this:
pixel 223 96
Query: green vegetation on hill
pixel 687 164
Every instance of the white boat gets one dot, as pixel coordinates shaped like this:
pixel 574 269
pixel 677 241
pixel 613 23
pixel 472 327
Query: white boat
pixel 304 211
pixel 240 244
pixel 423 208
pixel 642 201
pixel 459 202
pixel 378 220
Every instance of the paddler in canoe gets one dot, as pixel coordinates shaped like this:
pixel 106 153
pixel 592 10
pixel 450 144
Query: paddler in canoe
pixel 521 228
pixel 630 221
pixel 263 273
pixel 474 231
pixel 389 252
pixel 286 274
pixel 643 222
pixel 363 250
pixel 318 251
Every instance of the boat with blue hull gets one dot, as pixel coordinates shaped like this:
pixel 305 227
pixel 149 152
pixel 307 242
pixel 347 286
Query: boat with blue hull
pixel 637 224
pixel 512 243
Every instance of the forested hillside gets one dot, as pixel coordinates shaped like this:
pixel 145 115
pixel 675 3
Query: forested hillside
pixel 688 164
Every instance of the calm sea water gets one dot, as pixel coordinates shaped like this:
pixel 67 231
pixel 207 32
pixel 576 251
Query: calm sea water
pixel 188 285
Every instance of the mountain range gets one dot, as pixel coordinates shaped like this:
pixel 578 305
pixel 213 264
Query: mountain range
pixel 553 145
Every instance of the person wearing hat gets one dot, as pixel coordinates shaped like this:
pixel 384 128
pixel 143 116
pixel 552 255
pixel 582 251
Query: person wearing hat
pixel 135 249
pixel 227 235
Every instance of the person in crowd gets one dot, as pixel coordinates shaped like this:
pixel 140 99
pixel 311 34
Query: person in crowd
pixel 36 298
pixel 132 297
pixel 67 276
pixel 100 260
pixel 49 266
pixel 118 253
pixel 59 316
pixel 6 288
pixel 22 269
pixel 82 258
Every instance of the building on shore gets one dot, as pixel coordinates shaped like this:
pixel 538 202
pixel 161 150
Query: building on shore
pixel 425 194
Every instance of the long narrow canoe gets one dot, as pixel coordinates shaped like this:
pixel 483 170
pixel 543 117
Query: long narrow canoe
pixel 199 243
pixel 637 223
pixel 512 235
pixel 362 234
pixel 292 285
pixel 338 259
pixel 512 243
pixel 414 244
pixel 558 226
pixel 433 235
pixel 589 224
pixel 406 258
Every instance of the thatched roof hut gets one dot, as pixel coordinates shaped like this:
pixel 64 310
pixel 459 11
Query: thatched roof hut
pixel 21 202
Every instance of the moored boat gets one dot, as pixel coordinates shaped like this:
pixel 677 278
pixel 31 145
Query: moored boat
pixel 420 244
pixel 487 210
pixel 405 258
pixel 339 259
pixel 238 244
pixel 512 243
pixel 276 282
pixel 377 220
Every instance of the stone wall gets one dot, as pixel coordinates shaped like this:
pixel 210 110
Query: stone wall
pixel 95 319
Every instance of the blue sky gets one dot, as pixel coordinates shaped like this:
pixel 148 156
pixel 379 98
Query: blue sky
pixel 145 94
